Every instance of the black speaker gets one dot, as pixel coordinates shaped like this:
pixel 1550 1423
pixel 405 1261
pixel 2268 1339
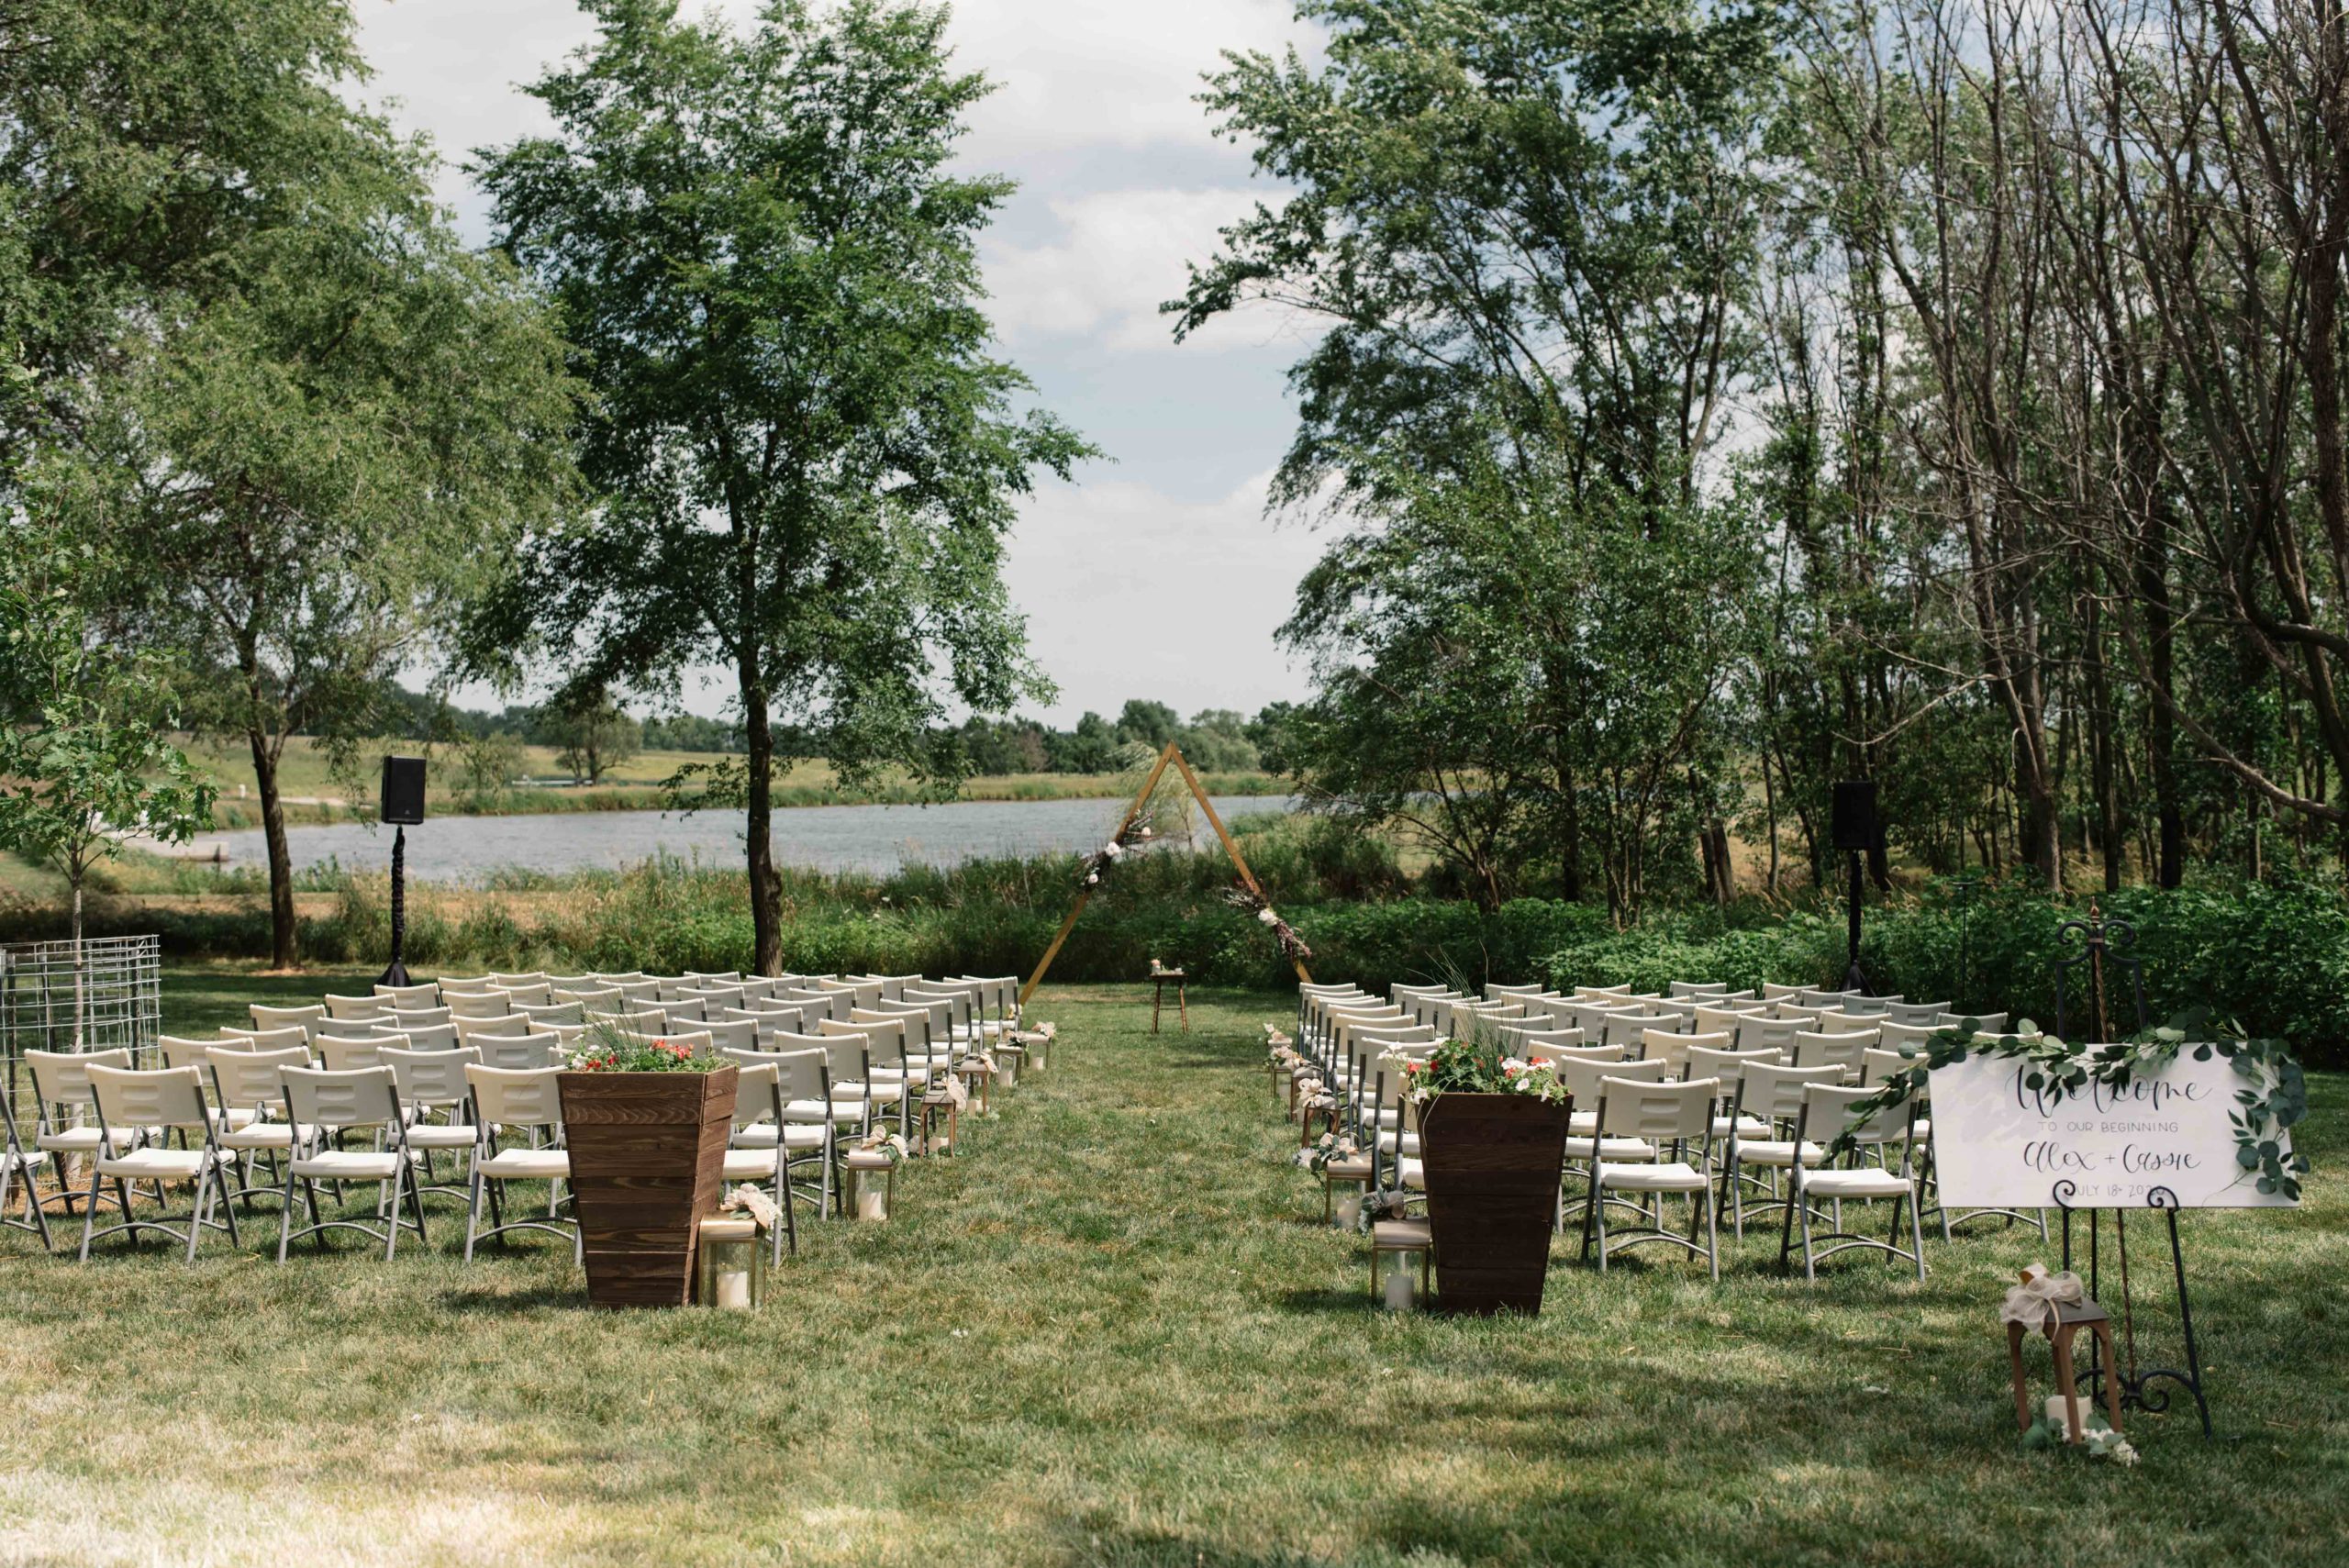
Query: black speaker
pixel 404 790
pixel 1855 826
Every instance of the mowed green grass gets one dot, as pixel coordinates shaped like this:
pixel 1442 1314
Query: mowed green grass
pixel 1114 1332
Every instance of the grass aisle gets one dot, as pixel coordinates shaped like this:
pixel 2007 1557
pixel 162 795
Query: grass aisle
pixel 1113 1331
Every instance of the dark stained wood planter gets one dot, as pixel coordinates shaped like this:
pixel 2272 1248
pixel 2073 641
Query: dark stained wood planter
pixel 647 1153
pixel 1493 1164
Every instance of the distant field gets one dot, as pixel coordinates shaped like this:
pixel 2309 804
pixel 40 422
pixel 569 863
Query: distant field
pixel 314 794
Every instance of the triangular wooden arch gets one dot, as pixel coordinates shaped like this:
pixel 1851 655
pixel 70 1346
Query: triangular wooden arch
pixel 1173 754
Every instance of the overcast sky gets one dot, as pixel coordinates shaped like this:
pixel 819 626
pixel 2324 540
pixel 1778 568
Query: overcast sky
pixel 1156 574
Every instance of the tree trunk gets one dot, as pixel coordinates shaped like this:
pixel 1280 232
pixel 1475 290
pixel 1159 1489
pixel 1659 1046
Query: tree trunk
pixel 285 950
pixel 758 831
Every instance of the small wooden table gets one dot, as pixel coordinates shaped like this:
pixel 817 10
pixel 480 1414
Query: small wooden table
pixel 1158 998
pixel 2060 1328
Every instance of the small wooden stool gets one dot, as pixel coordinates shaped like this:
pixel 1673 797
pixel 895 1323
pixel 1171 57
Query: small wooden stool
pixel 2060 1328
pixel 1158 998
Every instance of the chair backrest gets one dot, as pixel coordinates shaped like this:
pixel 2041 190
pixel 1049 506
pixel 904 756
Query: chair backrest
pixel 1672 1049
pixel 1774 1091
pixel 1719 1020
pixel 735 1034
pixel 552 1013
pixel 1495 992
pixel 1526 1039
pixel 648 1021
pixel 755 1098
pixel 821 1004
pixel 1916 1012
pixel 423 1037
pixel 477 1029
pixel 1726 1063
pixel 759 987
pixel 998 992
pixel 411 995
pixel 351 1028
pixel 1876 1064
pixel 1984 1023
pixel 530 977
pixel 357 1007
pixel 363 1097
pixel 1638 1107
pixel 530 992
pixel 1773 992
pixel 1695 987
pixel 1776 1034
pixel 337 1055
pixel 246 1080
pixel 1842 1051
pixel 1860 1008
pixel 1905 1037
pixel 722 976
pixel 927 1028
pixel 62 1077
pixel 803 1074
pixel 1581 1074
pixel 843 1053
pixel 885 1043
pixel 431 1078
pixel 492 1002
pixel 268 1039
pixel 268 1017
pixel 628 978
pixel 506 1096
pixel 178 1050
pixel 515 1052
pixel 455 985
pixel 636 992
pixel 1800 1012
pixel 419 1018
pixel 685 1010
pixel 1628 1027
pixel 1835 1022
pixel 159 1097
pixel 1813 996
pixel 960 1003
pixel 715 995
pixel 1827 1114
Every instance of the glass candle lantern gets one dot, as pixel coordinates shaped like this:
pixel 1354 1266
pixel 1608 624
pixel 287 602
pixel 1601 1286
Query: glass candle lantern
pixel 732 1274
pixel 1007 1064
pixel 872 1179
pixel 1398 1279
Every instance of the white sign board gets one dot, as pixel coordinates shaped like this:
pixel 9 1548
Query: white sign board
pixel 1998 1144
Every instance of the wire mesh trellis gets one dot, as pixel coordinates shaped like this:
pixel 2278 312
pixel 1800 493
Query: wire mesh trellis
pixel 109 998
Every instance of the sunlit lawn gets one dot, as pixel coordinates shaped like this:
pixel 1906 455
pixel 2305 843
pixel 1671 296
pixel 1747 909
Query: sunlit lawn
pixel 1114 1332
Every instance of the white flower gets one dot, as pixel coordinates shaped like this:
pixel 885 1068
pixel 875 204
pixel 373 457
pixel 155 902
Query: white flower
pixel 1092 877
pixel 1112 849
pixel 1266 918
pixel 1145 832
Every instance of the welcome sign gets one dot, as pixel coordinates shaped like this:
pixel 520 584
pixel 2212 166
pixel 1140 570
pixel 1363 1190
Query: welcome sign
pixel 1999 1143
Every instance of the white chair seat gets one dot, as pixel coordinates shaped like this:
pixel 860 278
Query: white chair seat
pixel 264 1135
pixel 347 1165
pixel 435 1134
pixel 83 1139
pixel 1671 1176
pixel 798 1135
pixel 749 1164
pixel 1746 1127
pixel 1631 1148
pixel 526 1164
pixel 1411 1172
pixel 157 1164
pixel 1779 1151
pixel 1408 1141
pixel 842 1109
pixel 881 1091
pixel 1876 1183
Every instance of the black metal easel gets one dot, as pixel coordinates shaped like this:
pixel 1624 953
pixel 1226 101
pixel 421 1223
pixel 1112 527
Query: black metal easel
pixel 2102 941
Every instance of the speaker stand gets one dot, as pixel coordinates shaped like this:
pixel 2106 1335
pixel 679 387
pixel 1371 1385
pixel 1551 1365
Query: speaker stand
pixel 396 973
pixel 1855 977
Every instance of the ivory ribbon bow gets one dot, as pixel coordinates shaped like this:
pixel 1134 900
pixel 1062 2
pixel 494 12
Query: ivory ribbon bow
pixel 754 1202
pixel 2033 1302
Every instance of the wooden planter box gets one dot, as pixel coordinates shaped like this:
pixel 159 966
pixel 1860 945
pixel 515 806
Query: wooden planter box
pixel 646 1155
pixel 1493 1164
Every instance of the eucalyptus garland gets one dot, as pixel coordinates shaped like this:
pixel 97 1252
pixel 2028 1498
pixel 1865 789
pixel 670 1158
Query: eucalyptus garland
pixel 2275 1101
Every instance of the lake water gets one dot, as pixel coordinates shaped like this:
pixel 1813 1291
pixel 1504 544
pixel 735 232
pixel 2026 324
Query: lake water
pixel 876 838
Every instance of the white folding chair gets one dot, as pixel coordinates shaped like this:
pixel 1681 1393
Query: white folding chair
pixel 1673 1119
pixel 167 1099
pixel 334 1104
pixel 1829 1108
pixel 507 1101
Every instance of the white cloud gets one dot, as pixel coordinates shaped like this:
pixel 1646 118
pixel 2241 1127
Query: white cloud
pixel 1132 594
pixel 1117 257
